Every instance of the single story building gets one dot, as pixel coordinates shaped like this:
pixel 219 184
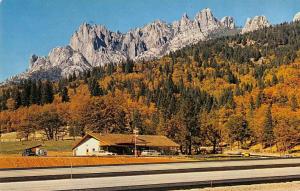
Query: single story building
pixel 122 144
pixel 34 151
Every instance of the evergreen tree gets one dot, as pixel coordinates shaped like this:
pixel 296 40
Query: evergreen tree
pixel 25 93
pixel 39 92
pixel 136 122
pixel 64 95
pixel 94 88
pixel 274 80
pixel 127 67
pixel 268 136
pixel 259 99
pixel 16 95
pixel 24 98
pixel 252 105
pixel 33 93
pixel 47 95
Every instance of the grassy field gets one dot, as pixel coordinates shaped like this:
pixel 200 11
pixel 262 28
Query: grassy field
pixel 61 147
pixel 59 154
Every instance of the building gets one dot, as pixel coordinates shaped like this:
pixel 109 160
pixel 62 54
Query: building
pixel 122 144
pixel 34 151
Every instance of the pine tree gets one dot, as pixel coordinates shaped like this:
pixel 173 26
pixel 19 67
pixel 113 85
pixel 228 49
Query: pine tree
pixel 24 98
pixel 47 95
pixel 268 136
pixel 137 122
pixel 127 67
pixel 25 93
pixel 252 105
pixel 259 99
pixel 274 79
pixel 16 95
pixel 39 92
pixel 33 93
pixel 94 88
pixel 64 95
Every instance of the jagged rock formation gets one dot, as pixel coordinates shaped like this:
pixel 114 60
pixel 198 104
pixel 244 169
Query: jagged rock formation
pixel 95 45
pixel 228 22
pixel 296 17
pixel 255 23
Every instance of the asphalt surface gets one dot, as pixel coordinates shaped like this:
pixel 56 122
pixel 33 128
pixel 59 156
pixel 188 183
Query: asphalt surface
pixel 143 167
pixel 148 176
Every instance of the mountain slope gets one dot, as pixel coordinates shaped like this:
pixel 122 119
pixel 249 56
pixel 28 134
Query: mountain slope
pixel 243 88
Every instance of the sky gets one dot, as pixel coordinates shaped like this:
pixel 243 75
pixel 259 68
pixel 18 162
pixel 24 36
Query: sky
pixel 36 26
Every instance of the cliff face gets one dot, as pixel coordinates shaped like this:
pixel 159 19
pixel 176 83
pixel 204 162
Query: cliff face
pixel 255 23
pixel 95 45
pixel 296 17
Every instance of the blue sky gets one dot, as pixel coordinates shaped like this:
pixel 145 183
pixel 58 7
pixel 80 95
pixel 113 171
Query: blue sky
pixel 36 26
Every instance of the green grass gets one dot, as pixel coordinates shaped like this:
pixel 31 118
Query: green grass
pixel 18 147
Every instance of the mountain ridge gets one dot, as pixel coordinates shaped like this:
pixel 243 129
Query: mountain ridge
pixel 95 45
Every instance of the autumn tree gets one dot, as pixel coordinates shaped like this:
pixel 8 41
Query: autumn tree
pixel 78 110
pixel 287 129
pixel 50 122
pixel 11 104
pixel 105 118
pixel 211 128
pixel 26 124
pixel 294 103
pixel 238 128
pixel 177 131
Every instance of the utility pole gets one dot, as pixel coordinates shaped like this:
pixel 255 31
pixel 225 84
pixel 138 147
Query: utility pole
pixel 135 131
pixel 190 149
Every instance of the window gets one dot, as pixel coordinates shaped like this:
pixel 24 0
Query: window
pixel 94 149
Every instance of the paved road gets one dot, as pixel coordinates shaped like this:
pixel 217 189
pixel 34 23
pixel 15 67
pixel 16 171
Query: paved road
pixel 105 183
pixel 143 167
pixel 121 178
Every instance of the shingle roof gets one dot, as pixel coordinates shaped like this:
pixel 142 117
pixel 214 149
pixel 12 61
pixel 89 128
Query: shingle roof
pixel 128 139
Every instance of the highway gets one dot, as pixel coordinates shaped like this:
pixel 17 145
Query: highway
pixel 147 176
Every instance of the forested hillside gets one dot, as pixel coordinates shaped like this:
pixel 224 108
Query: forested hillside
pixel 238 89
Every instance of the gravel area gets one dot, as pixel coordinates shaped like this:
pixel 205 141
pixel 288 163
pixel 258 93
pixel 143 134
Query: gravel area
pixel 288 186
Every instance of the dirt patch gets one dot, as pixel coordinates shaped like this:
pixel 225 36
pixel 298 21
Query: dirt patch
pixel 29 162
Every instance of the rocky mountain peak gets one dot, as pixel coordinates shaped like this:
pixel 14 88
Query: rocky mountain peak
pixel 296 17
pixel 255 23
pixel 206 20
pixel 228 22
pixel 95 45
pixel 185 17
